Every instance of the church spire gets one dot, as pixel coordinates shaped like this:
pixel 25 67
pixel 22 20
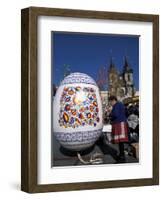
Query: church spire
pixel 126 65
pixel 112 66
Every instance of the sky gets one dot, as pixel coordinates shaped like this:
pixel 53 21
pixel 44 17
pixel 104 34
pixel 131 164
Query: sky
pixel 86 53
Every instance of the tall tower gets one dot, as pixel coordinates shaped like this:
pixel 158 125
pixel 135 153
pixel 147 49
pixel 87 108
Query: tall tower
pixel 113 79
pixel 128 78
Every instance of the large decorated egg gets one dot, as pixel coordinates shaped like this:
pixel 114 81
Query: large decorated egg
pixel 77 111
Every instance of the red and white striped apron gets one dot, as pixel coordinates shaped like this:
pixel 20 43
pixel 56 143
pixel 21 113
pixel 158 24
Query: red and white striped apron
pixel 119 132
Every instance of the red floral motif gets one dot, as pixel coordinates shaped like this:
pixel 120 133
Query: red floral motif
pixel 78 107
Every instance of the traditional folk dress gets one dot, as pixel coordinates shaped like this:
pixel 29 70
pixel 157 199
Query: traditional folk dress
pixel 119 123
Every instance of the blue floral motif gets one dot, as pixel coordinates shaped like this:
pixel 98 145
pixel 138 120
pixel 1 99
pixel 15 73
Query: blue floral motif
pixel 86 136
pixel 78 78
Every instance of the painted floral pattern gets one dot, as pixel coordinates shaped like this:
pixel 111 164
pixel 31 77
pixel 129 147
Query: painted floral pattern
pixel 78 107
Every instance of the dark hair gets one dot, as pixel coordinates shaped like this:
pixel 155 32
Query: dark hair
pixel 111 98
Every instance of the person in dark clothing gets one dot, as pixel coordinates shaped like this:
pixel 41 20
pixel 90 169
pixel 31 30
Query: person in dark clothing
pixel 119 126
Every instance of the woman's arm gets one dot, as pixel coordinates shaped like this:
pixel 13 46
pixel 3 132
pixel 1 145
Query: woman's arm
pixel 114 114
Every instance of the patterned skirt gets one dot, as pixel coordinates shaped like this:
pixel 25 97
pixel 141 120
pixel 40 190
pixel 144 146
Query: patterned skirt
pixel 119 132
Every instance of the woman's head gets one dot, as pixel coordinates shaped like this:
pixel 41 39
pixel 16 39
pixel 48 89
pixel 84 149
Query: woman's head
pixel 113 100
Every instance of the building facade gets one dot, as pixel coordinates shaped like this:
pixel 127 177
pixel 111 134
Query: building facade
pixel 121 84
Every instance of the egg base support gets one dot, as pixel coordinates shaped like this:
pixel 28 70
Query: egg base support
pixel 95 158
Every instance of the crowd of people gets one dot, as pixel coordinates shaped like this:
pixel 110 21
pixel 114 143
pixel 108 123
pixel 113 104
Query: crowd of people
pixel 132 113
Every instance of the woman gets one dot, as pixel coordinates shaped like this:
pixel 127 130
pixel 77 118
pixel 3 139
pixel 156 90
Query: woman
pixel 119 126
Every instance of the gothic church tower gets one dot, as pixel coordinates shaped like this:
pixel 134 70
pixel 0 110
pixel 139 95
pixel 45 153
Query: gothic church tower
pixel 113 76
pixel 128 78
pixel 121 84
